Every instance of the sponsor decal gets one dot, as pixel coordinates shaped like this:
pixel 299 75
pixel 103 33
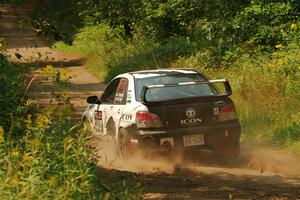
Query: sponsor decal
pixel 191 120
pixel 126 117
pixel 98 120
pixel 190 113
pixel 129 98
pixel 216 111
pixel 119 97
pixel 121 91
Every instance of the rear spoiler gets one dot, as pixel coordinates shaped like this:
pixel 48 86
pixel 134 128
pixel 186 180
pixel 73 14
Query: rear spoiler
pixel 227 92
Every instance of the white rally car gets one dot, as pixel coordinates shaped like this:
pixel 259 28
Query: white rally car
pixel 166 109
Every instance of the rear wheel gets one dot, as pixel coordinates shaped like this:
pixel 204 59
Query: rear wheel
pixel 124 147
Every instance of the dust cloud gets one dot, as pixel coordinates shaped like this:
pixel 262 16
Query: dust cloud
pixel 266 159
pixel 140 162
pixel 253 159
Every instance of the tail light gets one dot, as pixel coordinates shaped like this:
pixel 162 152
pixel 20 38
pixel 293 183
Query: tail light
pixel 148 120
pixel 227 112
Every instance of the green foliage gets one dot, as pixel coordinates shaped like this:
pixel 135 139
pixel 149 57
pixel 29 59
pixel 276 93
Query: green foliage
pixel 50 160
pixel 146 55
pixel 224 28
pixel 11 1
pixel 265 21
pixel 10 85
pixel 288 135
pixel 3 43
pixel 93 39
pixel 57 19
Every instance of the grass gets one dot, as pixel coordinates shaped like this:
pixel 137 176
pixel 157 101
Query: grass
pixel 48 160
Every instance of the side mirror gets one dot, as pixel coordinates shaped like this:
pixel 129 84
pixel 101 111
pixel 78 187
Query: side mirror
pixel 93 100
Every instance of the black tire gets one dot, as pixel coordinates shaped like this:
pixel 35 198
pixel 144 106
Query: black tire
pixel 124 147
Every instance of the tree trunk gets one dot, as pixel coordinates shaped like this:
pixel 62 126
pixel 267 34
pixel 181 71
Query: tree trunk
pixel 127 29
pixel 127 21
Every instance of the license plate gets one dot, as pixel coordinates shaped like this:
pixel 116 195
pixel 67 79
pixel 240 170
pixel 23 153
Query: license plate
pixel 193 140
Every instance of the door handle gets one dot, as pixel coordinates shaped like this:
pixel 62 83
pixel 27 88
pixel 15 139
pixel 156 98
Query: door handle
pixel 119 111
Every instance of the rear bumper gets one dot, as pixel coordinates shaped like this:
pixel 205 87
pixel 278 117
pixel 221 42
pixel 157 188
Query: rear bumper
pixel 218 138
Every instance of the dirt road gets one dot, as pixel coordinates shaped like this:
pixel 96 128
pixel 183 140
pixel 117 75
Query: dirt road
pixel 22 40
pixel 261 173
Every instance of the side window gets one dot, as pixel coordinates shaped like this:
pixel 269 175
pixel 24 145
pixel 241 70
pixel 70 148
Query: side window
pixel 109 94
pixel 121 94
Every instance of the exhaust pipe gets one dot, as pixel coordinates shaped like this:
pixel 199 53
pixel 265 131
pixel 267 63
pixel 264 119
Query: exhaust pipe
pixel 167 145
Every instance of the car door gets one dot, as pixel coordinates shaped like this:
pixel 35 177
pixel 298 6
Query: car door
pixel 113 103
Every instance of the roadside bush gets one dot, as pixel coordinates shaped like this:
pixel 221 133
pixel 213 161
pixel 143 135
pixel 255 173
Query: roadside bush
pixel 10 84
pixel 50 160
pixel 94 39
pixel 54 24
pixel 265 22
pixel 288 135
pixel 146 55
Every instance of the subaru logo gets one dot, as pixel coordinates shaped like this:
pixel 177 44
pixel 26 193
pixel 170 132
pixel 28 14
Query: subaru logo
pixel 190 113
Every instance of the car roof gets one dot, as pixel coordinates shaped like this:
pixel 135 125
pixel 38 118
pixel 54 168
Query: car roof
pixel 158 72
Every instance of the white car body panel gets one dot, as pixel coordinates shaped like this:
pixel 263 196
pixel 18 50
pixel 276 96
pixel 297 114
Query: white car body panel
pixel 123 115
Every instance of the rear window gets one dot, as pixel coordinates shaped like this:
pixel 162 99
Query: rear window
pixel 177 92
